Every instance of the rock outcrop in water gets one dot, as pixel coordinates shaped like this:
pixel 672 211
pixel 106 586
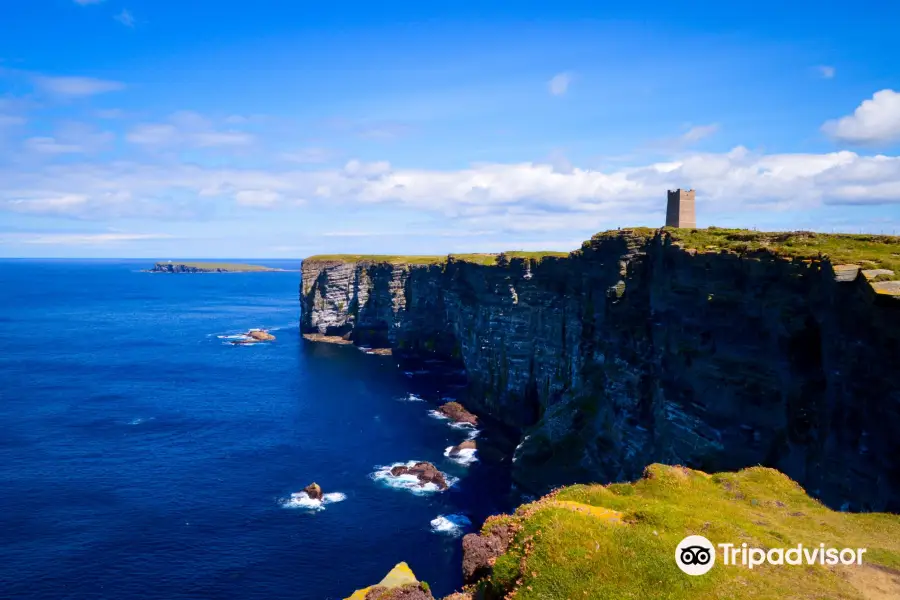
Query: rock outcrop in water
pixel 637 349
pixel 425 472
pixel 313 491
pixel 457 412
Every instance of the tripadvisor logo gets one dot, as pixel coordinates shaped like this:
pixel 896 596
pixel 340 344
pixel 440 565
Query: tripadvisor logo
pixel 696 555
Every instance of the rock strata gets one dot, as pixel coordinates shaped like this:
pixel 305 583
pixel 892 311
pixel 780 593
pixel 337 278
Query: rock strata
pixel 635 350
pixel 424 471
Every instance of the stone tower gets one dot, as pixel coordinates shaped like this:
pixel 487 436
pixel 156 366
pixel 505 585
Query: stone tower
pixel 680 210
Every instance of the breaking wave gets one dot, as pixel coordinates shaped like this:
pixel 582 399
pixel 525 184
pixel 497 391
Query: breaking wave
pixel 450 524
pixel 302 500
pixel 409 483
pixel 465 457
pixel 412 398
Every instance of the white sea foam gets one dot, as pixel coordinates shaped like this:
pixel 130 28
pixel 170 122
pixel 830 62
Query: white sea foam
pixel 302 500
pixel 407 482
pixel 464 457
pixel 450 524
pixel 236 336
pixel 438 415
pixel 412 398
pixel 140 420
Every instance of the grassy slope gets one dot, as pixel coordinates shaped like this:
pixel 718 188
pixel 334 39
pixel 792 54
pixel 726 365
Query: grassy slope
pixel 869 251
pixel 237 267
pixel 561 553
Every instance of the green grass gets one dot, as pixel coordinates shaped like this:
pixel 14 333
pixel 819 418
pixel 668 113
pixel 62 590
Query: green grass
pixel 868 251
pixel 425 259
pixel 236 267
pixel 559 553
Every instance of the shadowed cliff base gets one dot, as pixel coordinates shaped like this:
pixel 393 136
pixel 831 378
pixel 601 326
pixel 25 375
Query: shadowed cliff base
pixel 717 349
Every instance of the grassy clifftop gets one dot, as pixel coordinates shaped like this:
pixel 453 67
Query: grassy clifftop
pixel 618 541
pixel 424 259
pixel 869 251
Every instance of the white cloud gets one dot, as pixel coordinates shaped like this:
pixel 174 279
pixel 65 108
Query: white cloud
pixel 71 138
pixel 699 132
pixel 258 198
pixel 125 18
pixel 513 197
pixel 875 121
pixel 76 87
pixel 559 84
pixel 79 239
pixel 86 2
pixel 826 71
pixel 308 155
pixel 11 120
pixel 186 128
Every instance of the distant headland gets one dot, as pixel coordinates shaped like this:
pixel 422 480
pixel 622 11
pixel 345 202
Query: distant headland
pixel 208 267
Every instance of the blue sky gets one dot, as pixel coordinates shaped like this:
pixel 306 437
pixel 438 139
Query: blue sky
pixel 133 128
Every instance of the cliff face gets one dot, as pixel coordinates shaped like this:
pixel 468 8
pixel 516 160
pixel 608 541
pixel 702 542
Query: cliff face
pixel 634 350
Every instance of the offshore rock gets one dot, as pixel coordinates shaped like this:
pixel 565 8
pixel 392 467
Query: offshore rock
pixel 424 471
pixel 635 350
pixel 458 413
pixel 466 445
pixel 313 491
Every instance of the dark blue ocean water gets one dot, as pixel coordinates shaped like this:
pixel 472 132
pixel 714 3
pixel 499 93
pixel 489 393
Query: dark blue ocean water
pixel 143 456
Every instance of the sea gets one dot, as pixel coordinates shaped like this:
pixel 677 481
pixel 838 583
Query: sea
pixel 144 455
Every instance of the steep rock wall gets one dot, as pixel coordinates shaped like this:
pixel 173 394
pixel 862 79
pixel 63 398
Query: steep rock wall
pixel 634 350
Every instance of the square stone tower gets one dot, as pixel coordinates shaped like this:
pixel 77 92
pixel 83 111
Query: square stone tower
pixel 680 209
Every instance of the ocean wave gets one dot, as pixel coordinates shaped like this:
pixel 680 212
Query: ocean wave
pixel 412 398
pixel 436 414
pixel 237 336
pixel 140 420
pixel 465 457
pixel 302 500
pixel 450 524
pixel 408 482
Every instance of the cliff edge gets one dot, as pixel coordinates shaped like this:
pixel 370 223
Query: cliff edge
pixel 716 349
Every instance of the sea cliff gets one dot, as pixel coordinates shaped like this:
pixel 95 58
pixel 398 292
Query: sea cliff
pixel 714 349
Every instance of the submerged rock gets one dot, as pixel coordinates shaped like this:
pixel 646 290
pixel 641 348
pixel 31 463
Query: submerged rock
pixel 458 413
pixel 425 472
pixel 313 491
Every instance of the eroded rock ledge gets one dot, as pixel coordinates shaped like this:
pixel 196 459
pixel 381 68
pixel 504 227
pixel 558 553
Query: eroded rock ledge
pixel 709 349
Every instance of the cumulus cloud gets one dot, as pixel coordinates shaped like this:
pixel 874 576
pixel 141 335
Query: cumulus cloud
pixel 76 87
pixel 521 197
pixel 826 71
pixel 186 128
pixel 125 18
pixel 875 121
pixel 559 84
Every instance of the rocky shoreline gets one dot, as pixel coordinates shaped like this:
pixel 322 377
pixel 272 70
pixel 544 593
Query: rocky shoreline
pixel 639 348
